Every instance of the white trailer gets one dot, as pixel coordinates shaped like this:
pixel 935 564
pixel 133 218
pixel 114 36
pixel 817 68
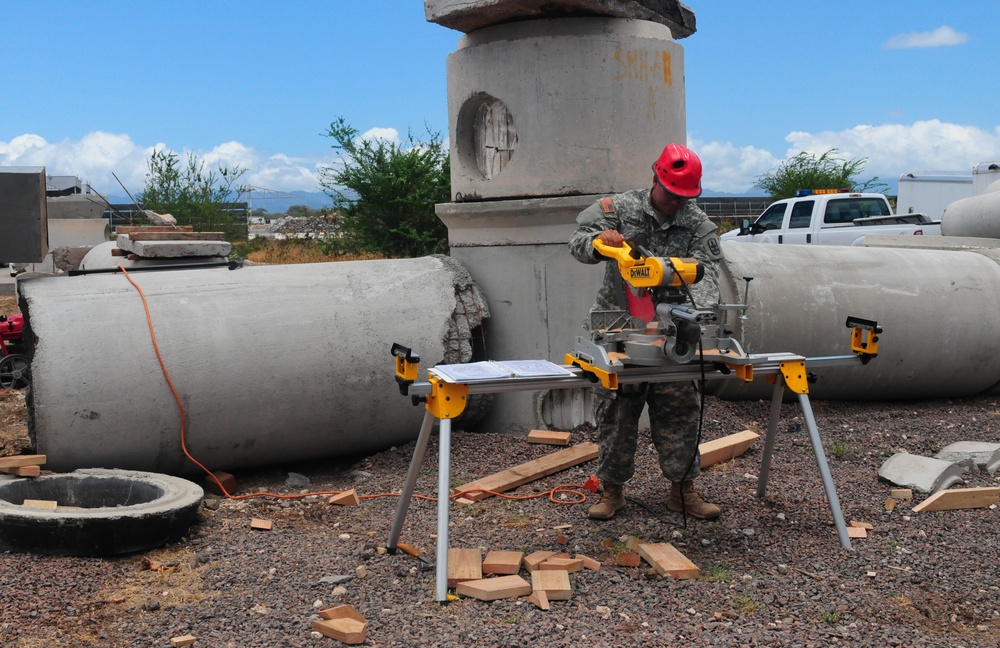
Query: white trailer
pixel 984 174
pixel 929 192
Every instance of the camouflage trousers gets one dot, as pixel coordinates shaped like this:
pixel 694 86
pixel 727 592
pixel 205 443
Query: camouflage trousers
pixel 673 420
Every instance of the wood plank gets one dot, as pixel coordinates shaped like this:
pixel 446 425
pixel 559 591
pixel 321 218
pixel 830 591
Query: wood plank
pixel 131 229
pixel 491 589
pixel 555 584
pixel 857 532
pixel 23 471
pixel 502 562
pixel 347 498
pixel 532 560
pixel 726 448
pixel 589 563
pixel 45 504
pixel 185 640
pixel 261 525
pixel 550 437
pixel 628 559
pixel 464 565
pixel 901 494
pixel 667 560
pixel 540 599
pixel 571 565
pixel 959 498
pixel 177 236
pixel 17 461
pixel 530 471
pixel 347 630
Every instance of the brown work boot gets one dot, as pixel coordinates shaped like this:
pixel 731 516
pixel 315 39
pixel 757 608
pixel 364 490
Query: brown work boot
pixel 612 499
pixel 683 497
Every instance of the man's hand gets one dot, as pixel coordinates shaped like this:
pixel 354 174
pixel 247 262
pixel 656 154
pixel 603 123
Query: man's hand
pixel 611 238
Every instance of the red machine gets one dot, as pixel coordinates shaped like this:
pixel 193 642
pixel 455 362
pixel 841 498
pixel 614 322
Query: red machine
pixel 13 366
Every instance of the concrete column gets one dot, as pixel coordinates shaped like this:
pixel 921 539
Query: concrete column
pixel 271 363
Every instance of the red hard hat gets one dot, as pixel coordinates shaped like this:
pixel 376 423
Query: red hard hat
pixel 679 171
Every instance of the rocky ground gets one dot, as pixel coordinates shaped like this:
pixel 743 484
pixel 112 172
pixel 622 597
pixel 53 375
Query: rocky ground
pixel 773 571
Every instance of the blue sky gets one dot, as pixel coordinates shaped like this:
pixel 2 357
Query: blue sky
pixel 89 89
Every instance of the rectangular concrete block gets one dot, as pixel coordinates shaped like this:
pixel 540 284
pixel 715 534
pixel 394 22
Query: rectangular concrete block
pixel 23 215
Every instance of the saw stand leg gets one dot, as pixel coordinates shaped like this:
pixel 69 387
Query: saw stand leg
pixel 824 468
pixel 444 493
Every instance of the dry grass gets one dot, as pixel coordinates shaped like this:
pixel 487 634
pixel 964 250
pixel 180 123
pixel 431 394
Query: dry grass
pixel 289 252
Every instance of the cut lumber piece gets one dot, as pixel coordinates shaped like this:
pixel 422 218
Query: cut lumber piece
pixel 349 631
pixel 726 448
pixel 901 493
pixel 491 589
pixel 863 525
pixel 180 642
pixel 555 584
pixel 540 599
pixel 550 437
pixel 502 562
pixel 857 532
pixel 959 498
pixel 632 543
pixel 570 565
pixel 667 560
pixel 532 560
pixel 17 461
pixel 890 504
pixel 347 498
pixel 530 471
pixel 46 504
pixel 228 482
pixel 589 563
pixel 261 525
pixel 628 559
pixel 23 471
pixel 464 565
pixel 130 229
pixel 341 612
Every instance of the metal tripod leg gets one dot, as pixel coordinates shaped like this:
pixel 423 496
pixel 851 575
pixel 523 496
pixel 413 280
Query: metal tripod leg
pixel 444 493
pixel 824 469
pixel 772 433
pixel 411 481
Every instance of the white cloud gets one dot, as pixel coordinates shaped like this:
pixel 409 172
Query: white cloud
pixel 943 36
pixel 387 134
pixel 729 168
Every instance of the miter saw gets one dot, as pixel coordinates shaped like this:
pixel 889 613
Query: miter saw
pixel 648 334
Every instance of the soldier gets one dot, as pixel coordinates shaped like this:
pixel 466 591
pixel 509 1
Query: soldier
pixel 669 223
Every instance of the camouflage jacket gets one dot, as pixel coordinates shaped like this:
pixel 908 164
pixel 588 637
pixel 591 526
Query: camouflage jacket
pixel 689 233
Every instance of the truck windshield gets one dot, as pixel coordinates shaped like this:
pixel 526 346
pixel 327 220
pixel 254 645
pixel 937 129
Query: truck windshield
pixel 772 217
pixel 846 210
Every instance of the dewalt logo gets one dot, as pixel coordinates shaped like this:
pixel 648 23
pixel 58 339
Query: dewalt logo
pixel 640 272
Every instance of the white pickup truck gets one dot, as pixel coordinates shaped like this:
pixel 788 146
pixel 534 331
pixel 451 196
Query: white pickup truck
pixel 828 217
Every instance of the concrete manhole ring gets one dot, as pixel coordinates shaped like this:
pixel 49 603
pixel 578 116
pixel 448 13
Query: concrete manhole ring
pixel 99 512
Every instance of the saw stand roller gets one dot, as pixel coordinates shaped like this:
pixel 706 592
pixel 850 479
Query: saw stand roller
pixel 444 400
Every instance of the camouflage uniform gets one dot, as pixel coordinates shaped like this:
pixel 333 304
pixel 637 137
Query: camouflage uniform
pixel 673 407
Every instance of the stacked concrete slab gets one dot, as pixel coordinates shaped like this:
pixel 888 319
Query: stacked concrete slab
pixel 551 105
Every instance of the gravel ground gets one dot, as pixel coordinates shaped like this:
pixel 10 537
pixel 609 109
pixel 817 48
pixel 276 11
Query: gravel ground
pixel 773 570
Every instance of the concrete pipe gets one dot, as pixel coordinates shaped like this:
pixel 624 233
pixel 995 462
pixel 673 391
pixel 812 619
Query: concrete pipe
pixel 270 363
pixel 978 216
pixel 938 309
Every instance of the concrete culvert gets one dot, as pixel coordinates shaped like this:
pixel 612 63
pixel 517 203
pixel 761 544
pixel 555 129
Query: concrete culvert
pixel 99 512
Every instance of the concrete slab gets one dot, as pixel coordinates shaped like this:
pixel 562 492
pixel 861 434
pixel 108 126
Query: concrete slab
pixel 469 15
pixel 974 454
pixel 174 249
pixel 922 474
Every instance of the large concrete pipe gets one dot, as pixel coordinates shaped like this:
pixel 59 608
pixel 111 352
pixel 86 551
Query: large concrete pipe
pixel 271 363
pixel 977 216
pixel 938 309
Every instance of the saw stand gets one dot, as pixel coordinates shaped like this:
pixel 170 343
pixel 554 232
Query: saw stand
pixel 445 400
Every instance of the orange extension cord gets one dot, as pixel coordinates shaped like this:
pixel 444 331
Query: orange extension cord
pixel 578 491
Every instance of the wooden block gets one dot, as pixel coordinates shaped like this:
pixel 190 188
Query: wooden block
pixel 540 599
pixel 561 539
pixel 555 584
pixel 857 532
pixel 186 640
pixel 570 565
pixel 589 563
pixel 532 560
pixel 131 229
pixel 549 436
pixel 23 471
pixel 632 543
pixel 45 504
pixel 491 589
pixel 628 559
pixel 890 504
pixel 341 612
pixel 862 525
pixel 530 471
pixel 464 565
pixel 959 498
pixel 22 460
pixel 347 498
pixel 228 482
pixel 346 630
pixel 667 560
pixel 502 562
pixel 902 494
pixel 177 236
pixel 262 525
pixel 726 448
